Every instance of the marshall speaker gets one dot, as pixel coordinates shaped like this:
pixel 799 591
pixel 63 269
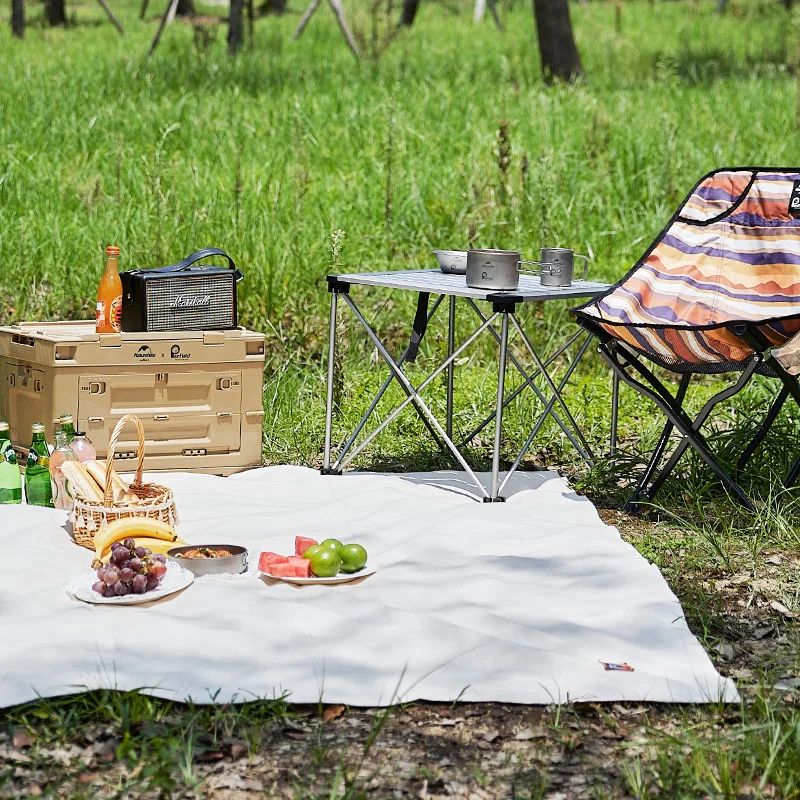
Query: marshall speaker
pixel 185 296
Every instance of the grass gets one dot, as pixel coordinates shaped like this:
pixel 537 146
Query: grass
pixel 300 161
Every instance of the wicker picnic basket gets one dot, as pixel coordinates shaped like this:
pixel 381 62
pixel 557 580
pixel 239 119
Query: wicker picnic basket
pixel 154 501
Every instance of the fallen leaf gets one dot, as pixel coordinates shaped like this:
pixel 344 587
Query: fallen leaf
pixel 332 712
pixel 238 750
pixel 34 790
pixel 448 723
pixel 207 756
pixel 781 609
pixel 22 738
pixel 773 560
pixel 86 777
pixel 298 736
pixel 763 631
pixel 531 733
pixel 628 712
pixel 490 736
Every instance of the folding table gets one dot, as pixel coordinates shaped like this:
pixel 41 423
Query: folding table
pixel 503 309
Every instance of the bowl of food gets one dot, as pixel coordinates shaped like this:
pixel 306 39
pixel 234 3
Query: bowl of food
pixel 452 262
pixel 210 559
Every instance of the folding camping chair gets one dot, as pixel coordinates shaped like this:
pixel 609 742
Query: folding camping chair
pixel 717 289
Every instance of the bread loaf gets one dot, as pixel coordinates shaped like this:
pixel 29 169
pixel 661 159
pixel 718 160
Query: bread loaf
pixel 81 482
pixel 119 489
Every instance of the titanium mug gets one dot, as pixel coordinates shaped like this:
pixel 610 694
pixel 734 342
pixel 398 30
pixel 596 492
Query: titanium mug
pixel 495 269
pixel 558 266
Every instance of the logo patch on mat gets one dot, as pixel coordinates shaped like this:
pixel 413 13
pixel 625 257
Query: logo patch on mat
pixel 794 200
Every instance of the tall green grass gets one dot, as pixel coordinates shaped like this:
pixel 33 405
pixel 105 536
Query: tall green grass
pixel 269 154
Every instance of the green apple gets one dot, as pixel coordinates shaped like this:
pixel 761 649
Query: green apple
pixel 354 557
pixel 326 563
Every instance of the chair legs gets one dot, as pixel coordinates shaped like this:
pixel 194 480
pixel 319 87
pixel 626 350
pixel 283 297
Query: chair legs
pixel 621 359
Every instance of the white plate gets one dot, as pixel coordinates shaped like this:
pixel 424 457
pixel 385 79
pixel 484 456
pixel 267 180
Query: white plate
pixel 177 578
pixel 341 578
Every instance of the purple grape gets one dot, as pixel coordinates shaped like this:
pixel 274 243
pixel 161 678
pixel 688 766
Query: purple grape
pixel 135 564
pixel 130 544
pixel 123 564
pixel 99 587
pixel 112 575
pixel 121 588
pixel 160 558
pixel 158 569
pixel 101 573
pixel 109 592
pixel 119 554
pixel 141 552
pixel 152 582
pixel 140 584
pixel 126 574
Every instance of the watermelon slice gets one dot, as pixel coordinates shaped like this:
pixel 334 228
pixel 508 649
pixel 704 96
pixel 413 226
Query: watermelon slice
pixel 282 570
pixel 302 566
pixel 302 543
pixel 267 560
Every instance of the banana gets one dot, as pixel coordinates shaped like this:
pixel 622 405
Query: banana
pixel 154 545
pixel 131 528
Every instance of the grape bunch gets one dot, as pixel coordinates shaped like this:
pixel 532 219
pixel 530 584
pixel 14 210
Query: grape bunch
pixel 130 570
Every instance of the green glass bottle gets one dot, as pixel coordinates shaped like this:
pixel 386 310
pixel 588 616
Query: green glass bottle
pixel 67 426
pixel 38 491
pixel 10 476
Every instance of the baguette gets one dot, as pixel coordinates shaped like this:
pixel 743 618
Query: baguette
pixel 119 489
pixel 81 481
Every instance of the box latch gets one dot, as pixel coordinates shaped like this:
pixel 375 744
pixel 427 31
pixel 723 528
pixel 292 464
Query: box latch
pixel 213 337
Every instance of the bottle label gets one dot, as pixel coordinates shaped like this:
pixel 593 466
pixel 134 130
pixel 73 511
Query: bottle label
pixel 115 315
pixel 101 314
pixel 8 454
pixel 34 458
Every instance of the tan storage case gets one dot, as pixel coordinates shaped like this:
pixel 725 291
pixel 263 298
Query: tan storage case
pixel 198 393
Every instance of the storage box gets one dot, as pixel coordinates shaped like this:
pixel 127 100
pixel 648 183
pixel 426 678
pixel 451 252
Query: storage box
pixel 198 393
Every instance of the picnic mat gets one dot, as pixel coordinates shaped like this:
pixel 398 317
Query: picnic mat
pixel 514 602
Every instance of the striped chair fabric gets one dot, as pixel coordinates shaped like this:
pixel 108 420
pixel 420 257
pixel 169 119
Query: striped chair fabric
pixel 730 254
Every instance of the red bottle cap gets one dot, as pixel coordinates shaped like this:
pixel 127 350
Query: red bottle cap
pixel 112 251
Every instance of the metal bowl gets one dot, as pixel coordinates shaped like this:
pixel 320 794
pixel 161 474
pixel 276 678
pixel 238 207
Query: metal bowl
pixel 452 262
pixel 225 565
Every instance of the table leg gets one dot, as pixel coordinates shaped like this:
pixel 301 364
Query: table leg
pixel 498 420
pixel 326 462
pixel 614 413
pixel 451 340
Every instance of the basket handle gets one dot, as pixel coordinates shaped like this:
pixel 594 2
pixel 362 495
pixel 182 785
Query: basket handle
pixel 112 445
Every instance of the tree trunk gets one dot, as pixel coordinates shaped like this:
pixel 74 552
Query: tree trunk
pixel 560 58
pixel 55 12
pixel 410 8
pixel 18 18
pixel 235 26
pixel 185 8
pixel 277 7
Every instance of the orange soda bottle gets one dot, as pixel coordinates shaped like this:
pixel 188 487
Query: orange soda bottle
pixel 109 295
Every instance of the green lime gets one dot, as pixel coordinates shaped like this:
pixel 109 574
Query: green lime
pixel 354 557
pixel 314 548
pixel 326 563
pixel 331 544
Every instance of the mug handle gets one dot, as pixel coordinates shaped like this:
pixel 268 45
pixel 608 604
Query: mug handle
pixel 533 271
pixel 585 265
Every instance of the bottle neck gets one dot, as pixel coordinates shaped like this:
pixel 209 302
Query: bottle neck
pixel 112 264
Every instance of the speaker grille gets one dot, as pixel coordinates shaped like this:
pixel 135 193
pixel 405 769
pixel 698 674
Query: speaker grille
pixel 190 302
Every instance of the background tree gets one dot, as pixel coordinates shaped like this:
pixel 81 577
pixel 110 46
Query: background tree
pixel 186 8
pixel 235 26
pixel 55 12
pixel 410 8
pixel 18 18
pixel 560 58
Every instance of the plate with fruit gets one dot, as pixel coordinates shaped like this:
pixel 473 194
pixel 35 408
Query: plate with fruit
pixel 314 562
pixel 133 574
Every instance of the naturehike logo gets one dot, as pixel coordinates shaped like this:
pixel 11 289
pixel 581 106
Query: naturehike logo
pixel 191 302
pixel 144 352
pixel 794 200
pixel 175 352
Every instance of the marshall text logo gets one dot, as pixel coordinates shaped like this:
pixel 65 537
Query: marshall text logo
pixel 191 302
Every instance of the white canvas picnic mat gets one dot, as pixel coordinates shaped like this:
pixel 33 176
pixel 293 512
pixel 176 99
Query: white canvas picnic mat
pixel 514 602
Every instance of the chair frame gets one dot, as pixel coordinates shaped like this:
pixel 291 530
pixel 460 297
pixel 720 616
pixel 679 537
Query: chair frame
pixel 628 364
